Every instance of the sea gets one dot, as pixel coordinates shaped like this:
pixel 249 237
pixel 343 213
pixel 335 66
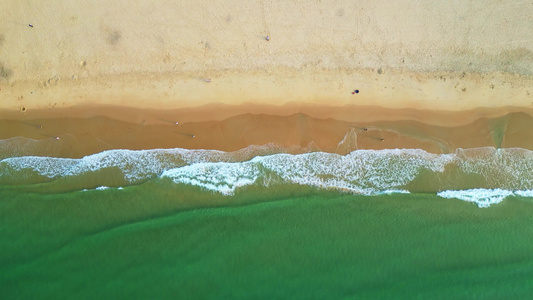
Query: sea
pixel 266 222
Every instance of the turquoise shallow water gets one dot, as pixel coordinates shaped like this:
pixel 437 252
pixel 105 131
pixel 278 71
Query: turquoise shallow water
pixel 159 239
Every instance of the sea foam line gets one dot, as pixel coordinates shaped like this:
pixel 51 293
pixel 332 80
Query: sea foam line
pixel 136 165
pixel 483 197
pixel 366 172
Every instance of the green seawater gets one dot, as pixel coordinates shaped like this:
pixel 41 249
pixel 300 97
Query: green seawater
pixel 160 240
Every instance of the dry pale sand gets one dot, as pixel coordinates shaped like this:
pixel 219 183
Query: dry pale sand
pixel 429 74
pixel 453 55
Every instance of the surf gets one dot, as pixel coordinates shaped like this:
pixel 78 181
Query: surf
pixel 363 172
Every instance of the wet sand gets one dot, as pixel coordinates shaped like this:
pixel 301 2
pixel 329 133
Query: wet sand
pixel 78 135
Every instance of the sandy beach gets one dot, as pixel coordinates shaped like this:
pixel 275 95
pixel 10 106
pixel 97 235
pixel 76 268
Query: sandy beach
pixel 226 149
pixel 87 68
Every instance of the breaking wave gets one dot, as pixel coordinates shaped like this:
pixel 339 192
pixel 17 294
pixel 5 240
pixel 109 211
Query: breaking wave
pixel 484 197
pixel 481 175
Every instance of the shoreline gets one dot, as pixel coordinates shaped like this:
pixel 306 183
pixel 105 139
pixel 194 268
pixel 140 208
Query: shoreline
pixel 81 131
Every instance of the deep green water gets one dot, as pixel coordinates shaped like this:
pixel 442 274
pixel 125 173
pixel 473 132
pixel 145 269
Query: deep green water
pixel 163 240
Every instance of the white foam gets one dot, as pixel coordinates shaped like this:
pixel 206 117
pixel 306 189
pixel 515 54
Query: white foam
pixel 481 197
pixel 102 188
pixel 220 177
pixel 361 171
pixel 136 165
pixel 524 193
pixel 390 192
pixel 508 168
pixel 366 172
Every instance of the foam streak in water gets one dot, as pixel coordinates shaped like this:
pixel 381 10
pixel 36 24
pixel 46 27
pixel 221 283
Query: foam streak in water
pixel 481 197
